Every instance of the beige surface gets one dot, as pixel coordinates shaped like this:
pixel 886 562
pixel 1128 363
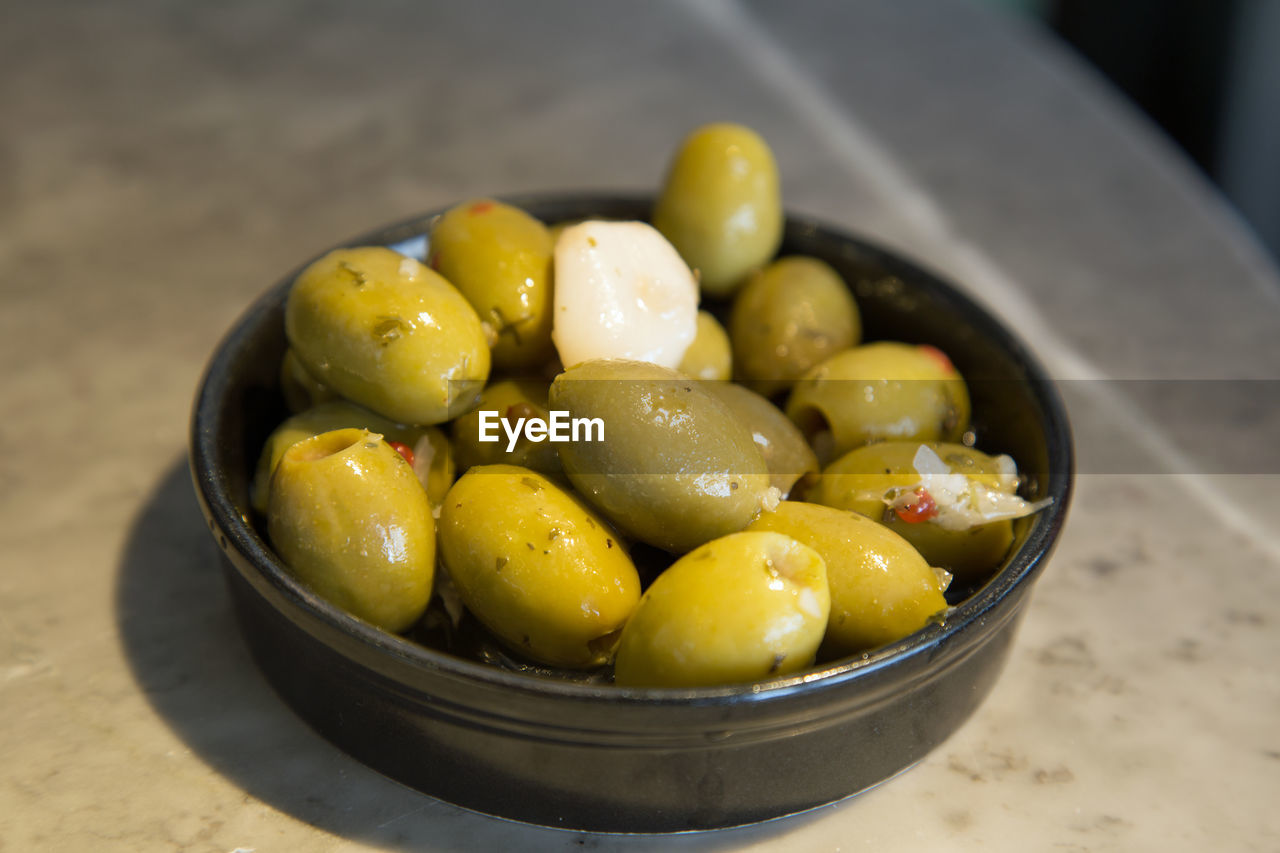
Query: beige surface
pixel 162 163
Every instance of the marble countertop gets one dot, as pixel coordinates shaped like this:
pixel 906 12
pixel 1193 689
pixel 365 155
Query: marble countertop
pixel 161 163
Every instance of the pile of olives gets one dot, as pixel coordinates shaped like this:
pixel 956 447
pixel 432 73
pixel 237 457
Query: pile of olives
pixel 765 490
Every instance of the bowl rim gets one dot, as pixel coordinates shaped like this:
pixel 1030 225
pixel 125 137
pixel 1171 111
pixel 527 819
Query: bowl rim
pixel 1020 569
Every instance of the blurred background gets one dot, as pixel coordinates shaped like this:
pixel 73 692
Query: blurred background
pixel 1206 71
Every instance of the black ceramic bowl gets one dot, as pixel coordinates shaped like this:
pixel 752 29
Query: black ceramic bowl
pixel 598 757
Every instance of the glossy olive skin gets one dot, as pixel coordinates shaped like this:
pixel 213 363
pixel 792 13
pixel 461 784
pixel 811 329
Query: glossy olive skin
pixel 536 566
pixel 709 357
pixel 389 334
pixel 500 258
pixel 428 443
pixel 720 205
pixel 787 455
pixel 858 480
pixel 880 391
pixel 676 467
pixel 300 389
pixel 349 518
pixel 881 588
pixel 740 608
pixel 513 398
pixel 790 316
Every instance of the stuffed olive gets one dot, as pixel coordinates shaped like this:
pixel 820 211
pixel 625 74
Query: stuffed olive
pixel 536 566
pixel 790 316
pixel 676 467
pixel 881 588
pixel 425 448
pixel 955 504
pixel 739 608
pixel 388 333
pixel 350 519
pixel 720 205
pixel 880 391
pixel 499 257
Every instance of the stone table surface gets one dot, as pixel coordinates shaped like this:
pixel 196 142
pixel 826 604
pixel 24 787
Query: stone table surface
pixel 161 163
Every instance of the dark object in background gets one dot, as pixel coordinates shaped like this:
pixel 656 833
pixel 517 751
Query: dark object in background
pixel 1170 56
pixel 1207 72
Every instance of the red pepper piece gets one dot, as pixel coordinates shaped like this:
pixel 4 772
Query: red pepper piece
pixel 922 509
pixel 938 356
pixel 403 449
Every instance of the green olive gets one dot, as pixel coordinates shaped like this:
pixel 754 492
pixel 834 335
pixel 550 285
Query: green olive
pixel 721 205
pixel 790 316
pixel 536 566
pixel 709 357
pixel 352 522
pixel 432 460
pixel 787 456
pixel 389 334
pixel 499 257
pixel 676 467
pixel 876 392
pixel 300 389
pixel 740 608
pixel 509 399
pixel 864 478
pixel 881 588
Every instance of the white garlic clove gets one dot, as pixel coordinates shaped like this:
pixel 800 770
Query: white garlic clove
pixel 622 291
